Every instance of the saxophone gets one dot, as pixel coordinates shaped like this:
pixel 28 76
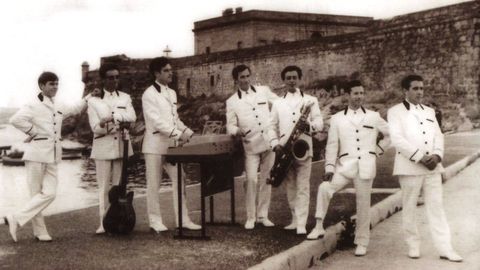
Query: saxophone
pixel 296 147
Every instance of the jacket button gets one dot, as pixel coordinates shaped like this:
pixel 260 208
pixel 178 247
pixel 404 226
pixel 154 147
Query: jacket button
pixel 294 121
pixel 421 123
pixel 426 143
pixel 358 140
pixel 115 138
pixel 358 148
pixel 427 153
pixel 359 158
pixel 256 116
pixel 259 124
pixel 424 132
pixel 262 131
pixel 54 124
pixel 356 130
pixel 254 109
pixel 293 113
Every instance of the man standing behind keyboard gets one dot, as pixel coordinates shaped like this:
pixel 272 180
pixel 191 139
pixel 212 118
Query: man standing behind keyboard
pixel 163 128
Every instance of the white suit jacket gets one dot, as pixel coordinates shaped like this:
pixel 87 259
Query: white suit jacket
pixel 107 141
pixel 414 133
pixel 163 127
pixel 42 120
pixel 285 114
pixel 249 116
pixel 352 148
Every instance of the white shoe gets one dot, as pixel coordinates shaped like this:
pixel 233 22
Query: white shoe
pixel 44 238
pixel 360 250
pixel 250 224
pixel 414 253
pixel 158 227
pixel 301 230
pixel 451 256
pixel 266 222
pixel 12 226
pixel 191 226
pixel 291 226
pixel 100 230
pixel 316 233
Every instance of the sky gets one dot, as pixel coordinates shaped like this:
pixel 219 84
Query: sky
pixel 59 35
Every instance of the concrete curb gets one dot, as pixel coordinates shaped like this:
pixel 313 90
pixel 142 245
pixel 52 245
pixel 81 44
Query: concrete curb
pixel 305 254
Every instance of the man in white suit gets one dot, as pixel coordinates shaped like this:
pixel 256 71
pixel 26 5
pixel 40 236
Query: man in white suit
pixel 418 141
pixel 248 116
pixel 107 115
pixel 41 120
pixel 163 128
pixel 351 154
pixel 285 113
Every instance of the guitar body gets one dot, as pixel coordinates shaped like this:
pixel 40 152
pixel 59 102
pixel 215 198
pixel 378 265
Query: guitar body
pixel 120 216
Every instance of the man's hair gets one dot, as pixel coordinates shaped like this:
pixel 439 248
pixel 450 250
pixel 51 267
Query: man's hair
pixel 410 78
pixel 105 68
pixel 238 69
pixel 291 68
pixel 352 84
pixel 157 64
pixel 47 76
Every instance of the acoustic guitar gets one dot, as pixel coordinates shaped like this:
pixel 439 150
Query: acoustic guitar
pixel 120 217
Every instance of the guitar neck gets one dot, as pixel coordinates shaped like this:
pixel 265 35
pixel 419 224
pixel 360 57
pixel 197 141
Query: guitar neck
pixel 124 177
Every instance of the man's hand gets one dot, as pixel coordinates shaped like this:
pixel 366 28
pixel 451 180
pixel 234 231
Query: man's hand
pixel 278 149
pixel 124 125
pixel 97 92
pixel 380 137
pixel 105 120
pixel 327 177
pixel 29 139
pixel 430 161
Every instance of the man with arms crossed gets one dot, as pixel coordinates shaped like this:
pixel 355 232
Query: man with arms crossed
pixel 418 141
pixel 163 128
pixel 248 116
pixel 285 113
pixel 351 154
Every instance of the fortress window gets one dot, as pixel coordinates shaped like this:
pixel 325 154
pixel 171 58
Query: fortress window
pixel 212 80
pixel 207 50
pixel 239 45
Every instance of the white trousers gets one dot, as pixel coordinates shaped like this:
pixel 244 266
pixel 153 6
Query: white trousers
pixel 432 188
pixel 297 184
pixel 257 192
pixel 363 189
pixel 108 172
pixel 42 182
pixel 154 167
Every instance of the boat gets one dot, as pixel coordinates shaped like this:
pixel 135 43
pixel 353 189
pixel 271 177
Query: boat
pixel 12 161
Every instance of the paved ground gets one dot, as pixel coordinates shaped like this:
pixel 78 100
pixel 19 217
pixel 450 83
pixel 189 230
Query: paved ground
pixel 76 247
pixel 388 251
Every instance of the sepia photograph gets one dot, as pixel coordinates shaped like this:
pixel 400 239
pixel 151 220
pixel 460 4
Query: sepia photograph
pixel 229 134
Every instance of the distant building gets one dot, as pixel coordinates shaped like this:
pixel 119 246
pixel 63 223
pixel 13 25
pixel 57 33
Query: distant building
pixel 254 28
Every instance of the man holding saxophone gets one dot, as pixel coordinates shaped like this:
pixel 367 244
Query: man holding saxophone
pixel 285 113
